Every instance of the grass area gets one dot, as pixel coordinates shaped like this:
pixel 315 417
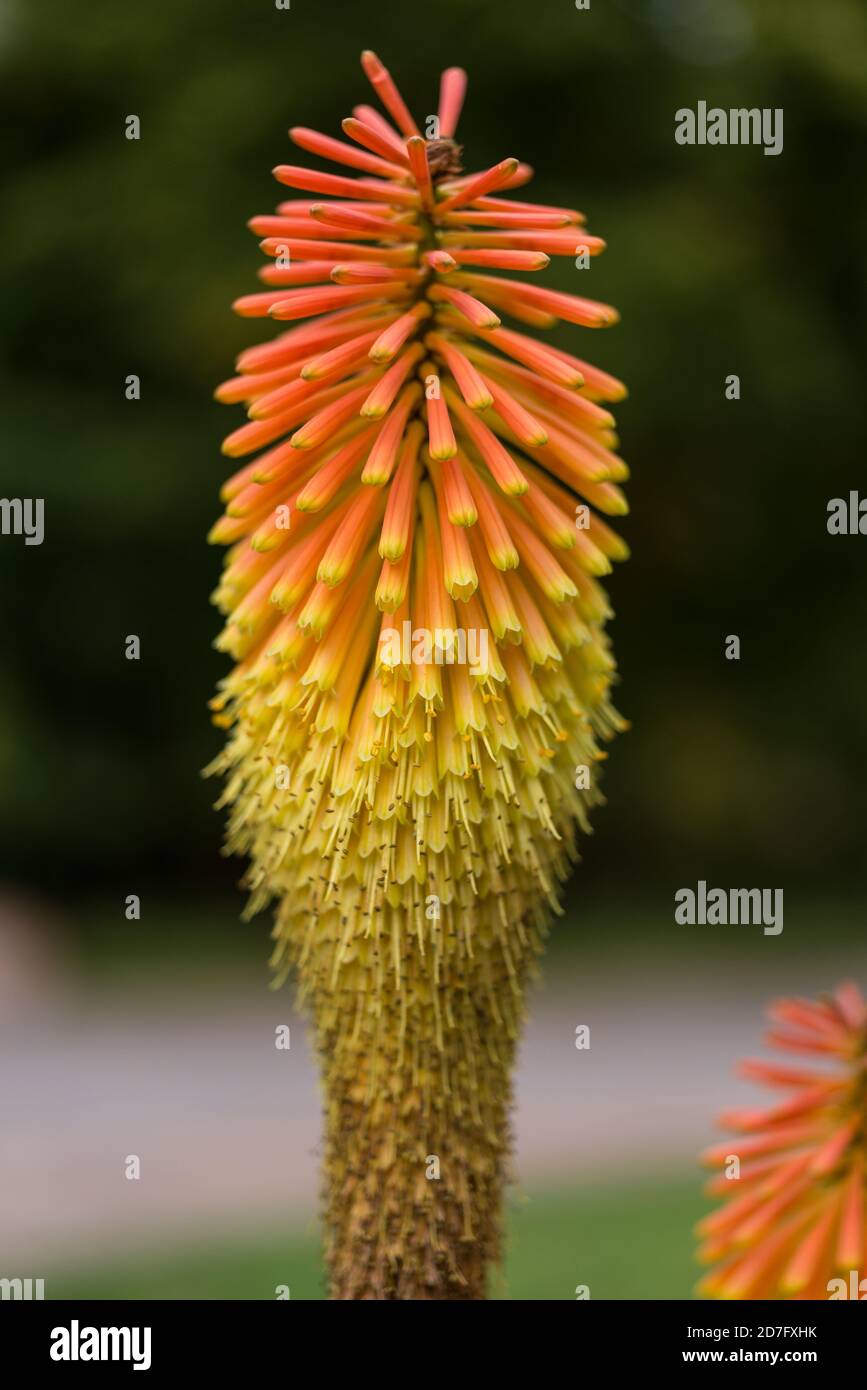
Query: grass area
pixel 625 1241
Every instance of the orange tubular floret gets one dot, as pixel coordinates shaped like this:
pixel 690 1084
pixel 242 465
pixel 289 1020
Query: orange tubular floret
pixel 299 304
pixel 328 480
pixel 339 358
pixel 392 339
pixel 498 541
pixel 526 428
pixel 370 117
pixel 336 150
pixel 398 521
pixel 477 313
pixel 308 246
pixel 470 384
pixel 439 261
pixel 381 81
pixel 502 260
pixel 351 536
pixel 459 572
pixel 385 390
pixel 368 190
pixel 360 222
pixel 503 467
pixel 496 177
pixel 326 422
pixel 441 436
pixel 482 218
pixel 460 508
pixel 374 140
pixel 383 455
pixel 417 151
pixel 303 273
pixel 453 86
pixel 565 306
pixel 369 273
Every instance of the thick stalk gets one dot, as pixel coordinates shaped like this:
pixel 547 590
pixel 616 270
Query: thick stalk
pixel 417 1080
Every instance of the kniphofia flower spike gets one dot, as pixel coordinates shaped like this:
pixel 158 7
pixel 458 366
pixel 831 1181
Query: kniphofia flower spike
pixel 793 1223
pixel 417 532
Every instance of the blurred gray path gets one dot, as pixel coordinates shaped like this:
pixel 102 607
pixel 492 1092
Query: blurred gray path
pixel 226 1126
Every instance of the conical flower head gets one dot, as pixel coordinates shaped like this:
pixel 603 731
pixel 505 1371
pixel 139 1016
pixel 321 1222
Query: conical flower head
pixel 794 1218
pixel 422 677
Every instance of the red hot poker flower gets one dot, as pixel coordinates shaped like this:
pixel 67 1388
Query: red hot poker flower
pixel 793 1225
pixel 422 675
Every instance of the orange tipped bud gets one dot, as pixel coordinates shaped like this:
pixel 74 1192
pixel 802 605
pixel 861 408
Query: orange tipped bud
pixel 381 81
pixel 383 455
pixel 477 313
pixel 453 86
pixel 471 189
pixel 374 140
pixel 386 389
pixel 441 436
pixel 368 190
pixel 392 339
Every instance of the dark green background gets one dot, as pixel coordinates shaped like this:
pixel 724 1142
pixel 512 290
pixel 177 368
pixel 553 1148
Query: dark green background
pixel 123 257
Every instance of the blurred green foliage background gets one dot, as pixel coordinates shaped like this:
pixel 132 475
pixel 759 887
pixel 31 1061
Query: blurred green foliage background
pixel 123 257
